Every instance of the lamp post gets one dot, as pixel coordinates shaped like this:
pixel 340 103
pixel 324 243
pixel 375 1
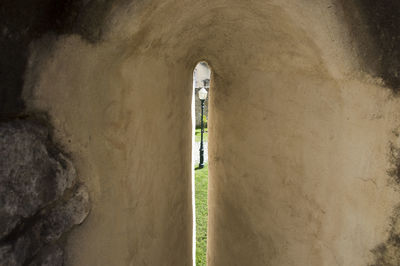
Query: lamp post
pixel 203 96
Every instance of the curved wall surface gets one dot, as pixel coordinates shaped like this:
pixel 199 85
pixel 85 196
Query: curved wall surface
pixel 303 142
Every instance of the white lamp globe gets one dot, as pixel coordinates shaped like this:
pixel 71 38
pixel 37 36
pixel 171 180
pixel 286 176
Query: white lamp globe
pixel 203 94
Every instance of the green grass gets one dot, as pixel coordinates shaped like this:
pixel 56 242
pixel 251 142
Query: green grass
pixel 197 134
pixel 201 186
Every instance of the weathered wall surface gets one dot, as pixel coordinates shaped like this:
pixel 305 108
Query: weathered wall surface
pixel 23 21
pixel 300 152
pixel 309 159
pixel 119 125
pixel 40 196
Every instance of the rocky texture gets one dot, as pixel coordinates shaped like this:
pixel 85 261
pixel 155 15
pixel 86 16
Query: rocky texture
pixel 50 256
pixel 39 196
pixel 33 174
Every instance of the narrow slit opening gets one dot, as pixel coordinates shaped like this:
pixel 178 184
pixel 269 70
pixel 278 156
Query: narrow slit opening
pixel 200 96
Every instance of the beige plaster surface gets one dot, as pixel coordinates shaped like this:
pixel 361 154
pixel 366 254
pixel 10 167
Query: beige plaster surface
pixel 298 143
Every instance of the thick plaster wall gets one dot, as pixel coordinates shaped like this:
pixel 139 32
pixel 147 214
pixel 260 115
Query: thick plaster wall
pixel 299 135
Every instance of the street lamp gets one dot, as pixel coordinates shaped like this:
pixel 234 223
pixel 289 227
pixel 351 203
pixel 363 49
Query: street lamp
pixel 203 96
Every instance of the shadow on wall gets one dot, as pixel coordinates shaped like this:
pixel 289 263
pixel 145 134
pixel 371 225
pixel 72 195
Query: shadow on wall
pixel 375 29
pixel 23 21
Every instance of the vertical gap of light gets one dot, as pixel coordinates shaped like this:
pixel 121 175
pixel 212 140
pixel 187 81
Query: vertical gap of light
pixel 193 181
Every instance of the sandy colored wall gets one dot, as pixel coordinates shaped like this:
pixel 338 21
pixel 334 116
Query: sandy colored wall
pixel 299 136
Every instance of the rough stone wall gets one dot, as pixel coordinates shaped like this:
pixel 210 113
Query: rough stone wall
pixel 303 140
pixel 40 198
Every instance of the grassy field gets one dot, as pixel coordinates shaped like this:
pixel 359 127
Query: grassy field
pixel 201 185
pixel 197 135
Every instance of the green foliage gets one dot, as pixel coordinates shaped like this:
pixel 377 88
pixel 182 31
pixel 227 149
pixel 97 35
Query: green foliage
pixel 205 121
pixel 201 187
pixel 197 135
